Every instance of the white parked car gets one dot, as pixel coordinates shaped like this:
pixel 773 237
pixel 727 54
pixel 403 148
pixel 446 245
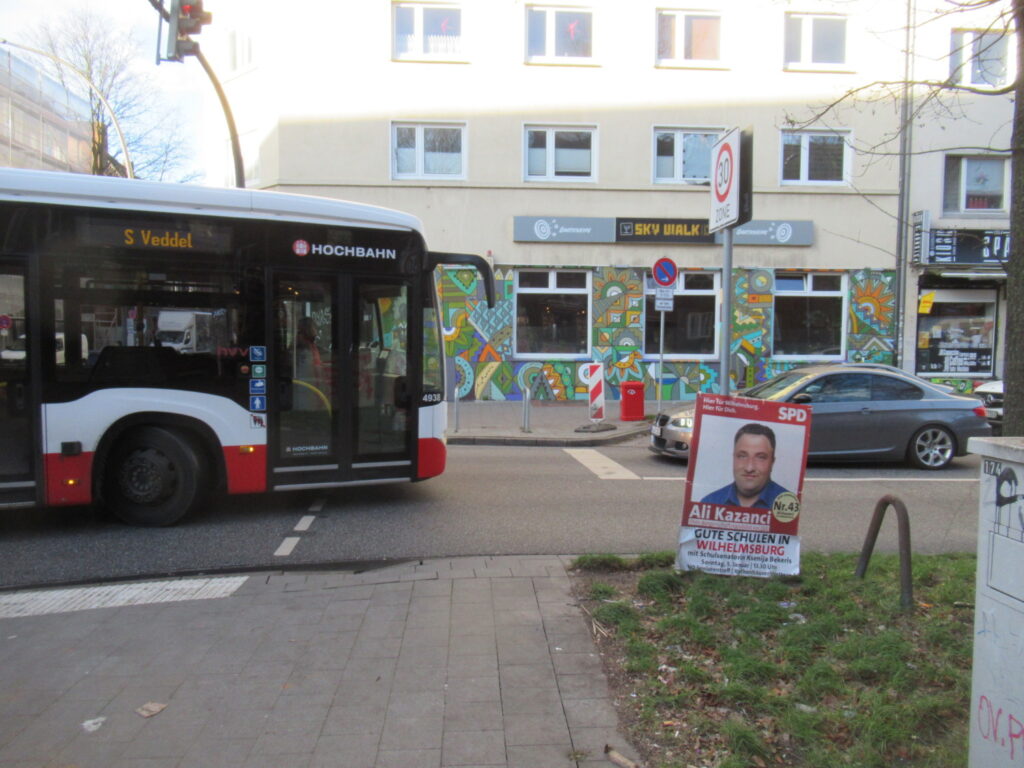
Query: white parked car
pixel 991 394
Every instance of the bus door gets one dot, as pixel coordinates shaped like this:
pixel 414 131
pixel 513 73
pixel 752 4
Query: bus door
pixel 17 423
pixel 339 406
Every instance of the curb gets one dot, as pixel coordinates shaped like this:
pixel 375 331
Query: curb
pixel 527 439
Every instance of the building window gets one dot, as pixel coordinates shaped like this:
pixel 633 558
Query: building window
pixel 975 184
pixel 689 38
pixel 810 315
pixel 957 336
pixel 815 42
pixel 428 151
pixel 690 328
pixel 683 155
pixel 558 35
pixel 560 154
pixel 978 57
pixel 427 31
pixel 814 157
pixel 552 314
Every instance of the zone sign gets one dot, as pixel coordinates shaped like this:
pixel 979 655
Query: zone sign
pixel 725 184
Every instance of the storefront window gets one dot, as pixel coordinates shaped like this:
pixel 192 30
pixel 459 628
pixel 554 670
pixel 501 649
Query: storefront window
pixel 956 337
pixel 552 314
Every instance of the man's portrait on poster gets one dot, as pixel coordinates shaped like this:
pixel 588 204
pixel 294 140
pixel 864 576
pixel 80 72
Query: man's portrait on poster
pixel 753 448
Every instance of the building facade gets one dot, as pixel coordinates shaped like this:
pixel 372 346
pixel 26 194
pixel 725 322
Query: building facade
pixel 571 143
pixel 42 124
pixel 959 200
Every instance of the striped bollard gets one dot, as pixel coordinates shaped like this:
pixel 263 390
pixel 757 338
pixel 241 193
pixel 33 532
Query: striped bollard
pixel 594 376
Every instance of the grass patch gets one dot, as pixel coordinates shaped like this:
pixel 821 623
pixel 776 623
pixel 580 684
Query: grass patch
pixel 817 670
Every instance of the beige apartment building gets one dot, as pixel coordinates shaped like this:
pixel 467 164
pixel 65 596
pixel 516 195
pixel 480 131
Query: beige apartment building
pixel 571 143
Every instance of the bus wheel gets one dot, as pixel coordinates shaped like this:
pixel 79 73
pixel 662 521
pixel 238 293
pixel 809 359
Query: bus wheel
pixel 153 478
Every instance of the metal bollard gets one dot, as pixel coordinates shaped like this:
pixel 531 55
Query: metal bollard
pixel 903 527
pixel 456 404
pixel 526 410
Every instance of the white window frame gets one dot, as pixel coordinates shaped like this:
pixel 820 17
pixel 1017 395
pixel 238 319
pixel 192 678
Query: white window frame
pixel 420 53
pixel 964 74
pixel 680 291
pixel 420 173
pixel 809 290
pixel 678 171
pixel 550 18
pixel 806 135
pixel 807 62
pixel 553 288
pixel 681 62
pixel 962 209
pixel 549 161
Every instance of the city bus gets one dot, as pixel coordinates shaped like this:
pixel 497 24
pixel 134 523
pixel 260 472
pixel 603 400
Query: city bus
pixel 161 343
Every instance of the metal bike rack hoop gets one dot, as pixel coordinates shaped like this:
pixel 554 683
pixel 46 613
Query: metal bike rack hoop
pixel 903 527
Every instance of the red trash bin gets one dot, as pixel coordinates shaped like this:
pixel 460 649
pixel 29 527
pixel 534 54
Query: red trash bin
pixel 632 402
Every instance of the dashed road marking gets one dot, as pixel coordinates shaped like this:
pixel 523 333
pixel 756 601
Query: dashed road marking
pixel 287 546
pixel 305 523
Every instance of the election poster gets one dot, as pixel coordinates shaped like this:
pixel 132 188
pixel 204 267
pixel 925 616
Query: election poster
pixel 744 485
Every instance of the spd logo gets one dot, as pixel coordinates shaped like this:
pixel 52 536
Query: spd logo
pixel 300 248
pixel 798 415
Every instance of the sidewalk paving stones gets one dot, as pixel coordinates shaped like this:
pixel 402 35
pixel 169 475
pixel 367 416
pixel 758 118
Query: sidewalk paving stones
pixel 474 662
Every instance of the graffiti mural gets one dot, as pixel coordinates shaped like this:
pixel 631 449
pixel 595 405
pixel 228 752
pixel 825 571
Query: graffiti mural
pixel 872 331
pixel 478 340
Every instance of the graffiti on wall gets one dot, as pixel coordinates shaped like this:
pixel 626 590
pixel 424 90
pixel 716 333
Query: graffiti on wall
pixel 479 340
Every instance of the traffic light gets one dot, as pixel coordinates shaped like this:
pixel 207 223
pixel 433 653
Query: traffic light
pixel 187 17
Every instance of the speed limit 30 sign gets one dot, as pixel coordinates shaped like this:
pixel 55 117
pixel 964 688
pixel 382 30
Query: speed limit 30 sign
pixel 730 181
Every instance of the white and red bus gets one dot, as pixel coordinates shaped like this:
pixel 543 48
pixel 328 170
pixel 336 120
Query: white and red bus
pixel 160 342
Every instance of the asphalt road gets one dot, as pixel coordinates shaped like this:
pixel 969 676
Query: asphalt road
pixel 491 500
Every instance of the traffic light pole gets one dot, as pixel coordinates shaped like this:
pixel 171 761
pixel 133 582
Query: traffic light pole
pixel 236 148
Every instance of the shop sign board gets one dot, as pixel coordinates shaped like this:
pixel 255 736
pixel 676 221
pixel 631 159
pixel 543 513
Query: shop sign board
pixel 969 246
pixel 679 231
pixel 772 232
pixel 744 485
pixel 563 229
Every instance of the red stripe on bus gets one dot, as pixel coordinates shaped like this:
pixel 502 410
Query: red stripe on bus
pixel 68 479
pixel 432 457
pixel 247 470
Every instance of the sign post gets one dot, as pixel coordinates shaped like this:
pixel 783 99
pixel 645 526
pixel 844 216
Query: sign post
pixel 666 273
pixel 731 205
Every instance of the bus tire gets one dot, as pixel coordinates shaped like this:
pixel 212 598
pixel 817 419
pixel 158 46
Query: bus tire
pixel 154 477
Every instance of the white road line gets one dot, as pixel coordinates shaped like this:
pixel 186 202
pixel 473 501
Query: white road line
pixel 318 506
pixel 287 546
pixel 47 601
pixel 856 479
pixel 305 523
pixel 890 479
pixel 601 465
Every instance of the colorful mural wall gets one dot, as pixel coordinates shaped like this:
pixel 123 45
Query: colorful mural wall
pixel 479 340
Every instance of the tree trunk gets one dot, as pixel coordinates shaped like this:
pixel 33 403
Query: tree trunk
pixel 1013 367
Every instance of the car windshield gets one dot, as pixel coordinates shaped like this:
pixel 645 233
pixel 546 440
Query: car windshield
pixel 171 337
pixel 772 387
pixel 18 345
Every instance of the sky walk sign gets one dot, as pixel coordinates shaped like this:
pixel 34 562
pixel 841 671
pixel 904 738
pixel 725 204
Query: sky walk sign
pixel 744 485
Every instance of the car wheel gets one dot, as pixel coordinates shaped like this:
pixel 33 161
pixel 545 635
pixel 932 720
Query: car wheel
pixel 931 448
pixel 153 478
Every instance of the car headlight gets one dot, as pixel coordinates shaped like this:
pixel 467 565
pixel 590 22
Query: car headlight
pixel 683 422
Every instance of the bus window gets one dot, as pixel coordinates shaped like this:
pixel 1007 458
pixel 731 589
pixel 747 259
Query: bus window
pixel 305 340
pixel 382 361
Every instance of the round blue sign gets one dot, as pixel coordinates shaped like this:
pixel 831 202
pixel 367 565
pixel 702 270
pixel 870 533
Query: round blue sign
pixel 665 271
